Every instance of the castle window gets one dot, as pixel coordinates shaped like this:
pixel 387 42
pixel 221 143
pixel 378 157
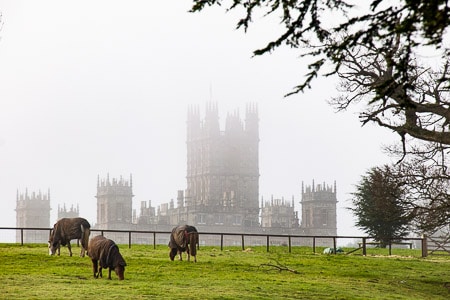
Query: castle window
pixel 102 213
pixel 307 218
pixel 120 212
pixel 219 220
pixel 324 217
pixel 201 219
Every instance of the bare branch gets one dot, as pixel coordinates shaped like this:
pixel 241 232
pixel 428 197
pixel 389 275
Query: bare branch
pixel 278 267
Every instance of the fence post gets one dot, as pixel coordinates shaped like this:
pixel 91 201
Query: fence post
pixel 314 244
pixel 424 245
pixel 289 242
pixel 390 248
pixel 364 246
pixel 243 246
pixel 267 243
pixel 129 239
pixel 221 241
pixel 21 236
pixel 334 244
pixel 154 240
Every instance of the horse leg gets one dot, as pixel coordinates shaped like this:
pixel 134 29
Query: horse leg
pixel 82 250
pixel 194 255
pixel 109 275
pixel 69 247
pixel 180 255
pixel 188 252
pixel 95 267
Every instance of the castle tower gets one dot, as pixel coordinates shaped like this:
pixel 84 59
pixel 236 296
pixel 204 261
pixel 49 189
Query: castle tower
pixel 147 215
pixel 114 203
pixel 278 214
pixel 222 168
pixel 319 209
pixel 73 212
pixel 33 211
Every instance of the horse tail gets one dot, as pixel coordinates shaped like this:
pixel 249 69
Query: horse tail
pixel 85 232
pixel 193 242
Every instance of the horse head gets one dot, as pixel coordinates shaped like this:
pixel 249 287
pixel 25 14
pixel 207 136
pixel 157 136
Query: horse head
pixel 173 252
pixel 120 270
pixel 52 246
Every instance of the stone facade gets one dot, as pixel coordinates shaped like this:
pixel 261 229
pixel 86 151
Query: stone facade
pixel 33 211
pixel 114 203
pixel 222 188
pixel 63 212
pixel 319 210
pixel 222 169
pixel 278 214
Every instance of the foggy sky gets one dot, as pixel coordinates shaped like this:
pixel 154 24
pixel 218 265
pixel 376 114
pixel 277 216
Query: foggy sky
pixel 90 88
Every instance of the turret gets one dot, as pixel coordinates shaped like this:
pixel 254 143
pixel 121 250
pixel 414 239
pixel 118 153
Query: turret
pixel 211 126
pixel 252 120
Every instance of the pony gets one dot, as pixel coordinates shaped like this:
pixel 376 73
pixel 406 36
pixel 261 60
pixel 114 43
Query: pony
pixel 67 229
pixel 104 253
pixel 183 238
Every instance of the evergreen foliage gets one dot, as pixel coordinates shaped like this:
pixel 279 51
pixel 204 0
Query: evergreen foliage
pixel 378 206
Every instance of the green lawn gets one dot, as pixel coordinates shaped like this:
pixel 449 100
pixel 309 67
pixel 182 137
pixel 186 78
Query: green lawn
pixel 28 272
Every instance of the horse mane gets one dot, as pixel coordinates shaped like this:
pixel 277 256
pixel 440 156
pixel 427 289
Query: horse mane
pixel 57 232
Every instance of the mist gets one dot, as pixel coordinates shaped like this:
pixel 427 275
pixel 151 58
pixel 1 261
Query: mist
pixel 91 88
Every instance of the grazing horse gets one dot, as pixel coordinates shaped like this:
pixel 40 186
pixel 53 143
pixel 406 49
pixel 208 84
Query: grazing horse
pixel 67 229
pixel 183 238
pixel 104 253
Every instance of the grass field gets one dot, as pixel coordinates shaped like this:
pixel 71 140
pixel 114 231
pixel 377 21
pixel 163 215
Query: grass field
pixel 28 272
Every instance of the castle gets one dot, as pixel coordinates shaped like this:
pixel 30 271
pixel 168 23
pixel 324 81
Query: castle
pixel 222 188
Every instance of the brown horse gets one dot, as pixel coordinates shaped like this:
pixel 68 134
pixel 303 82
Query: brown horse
pixel 183 238
pixel 67 229
pixel 104 253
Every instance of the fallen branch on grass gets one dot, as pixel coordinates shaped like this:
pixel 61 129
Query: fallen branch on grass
pixel 279 267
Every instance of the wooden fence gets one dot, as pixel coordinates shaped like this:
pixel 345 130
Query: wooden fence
pixel 332 240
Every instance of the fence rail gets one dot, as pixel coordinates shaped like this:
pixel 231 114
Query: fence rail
pixel 240 237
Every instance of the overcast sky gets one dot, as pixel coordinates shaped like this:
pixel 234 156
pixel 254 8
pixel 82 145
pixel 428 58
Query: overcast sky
pixel 89 88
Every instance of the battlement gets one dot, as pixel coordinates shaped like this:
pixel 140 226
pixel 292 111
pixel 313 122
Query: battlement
pixel 278 213
pixel 114 182
pixel 234 122
pixel 277 202
pixel 26 200
pixel 209 126
pixel 73 212
pixel 319 192
pixel 33 196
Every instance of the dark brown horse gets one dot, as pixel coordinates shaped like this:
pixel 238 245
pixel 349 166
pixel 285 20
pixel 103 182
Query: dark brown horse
pixel 68 229
pixel 183 238
pixel 104 253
